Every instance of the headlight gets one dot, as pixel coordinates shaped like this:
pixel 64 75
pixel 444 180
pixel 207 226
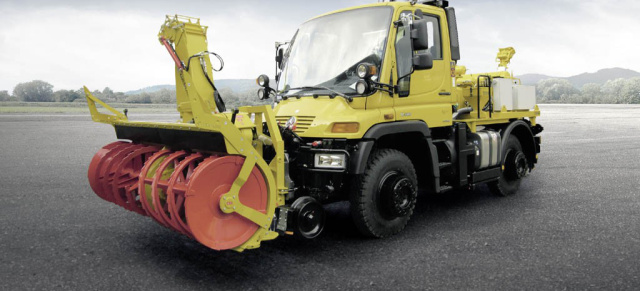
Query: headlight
pixel 330 161
pixel 262 94
pixel 362 70
pixel 262 81
pixel 362 87
pixel 366 70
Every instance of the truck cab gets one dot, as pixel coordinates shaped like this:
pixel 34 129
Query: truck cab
pixel 323 53
pixel 382 81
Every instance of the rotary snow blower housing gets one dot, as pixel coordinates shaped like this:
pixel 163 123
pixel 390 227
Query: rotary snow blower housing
pixel 368 114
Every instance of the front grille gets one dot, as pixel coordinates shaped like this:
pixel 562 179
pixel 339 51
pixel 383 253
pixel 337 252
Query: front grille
pixel 303 122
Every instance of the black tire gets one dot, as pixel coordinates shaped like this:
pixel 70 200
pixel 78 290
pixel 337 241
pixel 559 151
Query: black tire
pixel 382 199
pixel 514 165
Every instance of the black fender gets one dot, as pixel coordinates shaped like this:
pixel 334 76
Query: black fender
pixel 522 130
pixel 360 157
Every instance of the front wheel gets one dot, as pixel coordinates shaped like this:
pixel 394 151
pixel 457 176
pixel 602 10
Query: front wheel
pixel 514 168
pixel 383 198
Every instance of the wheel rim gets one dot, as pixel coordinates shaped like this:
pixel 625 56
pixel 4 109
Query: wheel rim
pixel 397 195
pixel 515 166
pixel 310 217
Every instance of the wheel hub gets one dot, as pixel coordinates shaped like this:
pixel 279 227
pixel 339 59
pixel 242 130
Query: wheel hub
pixel 309 217
pixel 516 165
pixel 398 195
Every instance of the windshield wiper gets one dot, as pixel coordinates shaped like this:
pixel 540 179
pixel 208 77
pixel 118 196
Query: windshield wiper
pixel 348 98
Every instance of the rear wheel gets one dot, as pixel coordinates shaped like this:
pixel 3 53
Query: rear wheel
pixel 383 198
pixel 514 167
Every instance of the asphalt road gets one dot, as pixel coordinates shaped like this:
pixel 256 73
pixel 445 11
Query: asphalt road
pixel 575 224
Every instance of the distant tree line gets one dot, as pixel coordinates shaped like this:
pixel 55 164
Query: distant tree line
pixel 41 91
pixel 619 91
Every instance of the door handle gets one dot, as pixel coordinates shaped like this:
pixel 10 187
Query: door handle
pixel 444 93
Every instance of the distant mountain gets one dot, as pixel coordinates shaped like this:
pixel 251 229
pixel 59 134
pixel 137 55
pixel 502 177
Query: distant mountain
pixel 150 89
pixel 599 77
pixel 532 79
pixel 602 76
pixel 236 85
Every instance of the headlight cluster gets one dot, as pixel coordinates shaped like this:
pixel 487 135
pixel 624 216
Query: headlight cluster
pixel 263 81
pixel 365 71
pixel 330 161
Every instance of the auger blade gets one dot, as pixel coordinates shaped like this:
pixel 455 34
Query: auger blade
pixel 126 175
pixel 145 182
pixel 177 188
pixel 109 168
pixel 96 179
pixel 159 187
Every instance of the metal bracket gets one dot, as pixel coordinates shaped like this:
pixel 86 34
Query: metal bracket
pixel 230 202
pixel 101 117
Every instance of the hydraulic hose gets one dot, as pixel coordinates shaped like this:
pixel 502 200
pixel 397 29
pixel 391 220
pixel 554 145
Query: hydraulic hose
pixel 216 95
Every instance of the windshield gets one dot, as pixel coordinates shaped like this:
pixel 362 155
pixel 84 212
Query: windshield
pixel 326 51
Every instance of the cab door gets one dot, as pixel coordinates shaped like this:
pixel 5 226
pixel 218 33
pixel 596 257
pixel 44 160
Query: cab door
pixel 427 94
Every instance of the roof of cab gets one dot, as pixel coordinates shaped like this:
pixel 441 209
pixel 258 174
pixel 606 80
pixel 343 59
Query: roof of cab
pixel 395 5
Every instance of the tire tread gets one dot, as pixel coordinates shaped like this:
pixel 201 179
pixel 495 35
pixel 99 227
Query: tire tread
pixel 358 200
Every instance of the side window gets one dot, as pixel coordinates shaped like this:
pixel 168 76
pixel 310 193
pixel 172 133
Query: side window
pixel 403 50
pixel 435 43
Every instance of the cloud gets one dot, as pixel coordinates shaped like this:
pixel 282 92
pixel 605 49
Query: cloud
pixel 113 43
pixel 558 38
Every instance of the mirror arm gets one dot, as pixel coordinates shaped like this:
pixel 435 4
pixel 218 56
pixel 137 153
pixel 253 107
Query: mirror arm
pixel 382 86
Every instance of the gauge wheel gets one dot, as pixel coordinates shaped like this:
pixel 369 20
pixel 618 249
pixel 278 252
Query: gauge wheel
pixel 514 167
pixel 383 198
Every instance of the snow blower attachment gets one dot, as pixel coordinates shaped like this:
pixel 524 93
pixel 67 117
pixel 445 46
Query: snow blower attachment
pixel 204 177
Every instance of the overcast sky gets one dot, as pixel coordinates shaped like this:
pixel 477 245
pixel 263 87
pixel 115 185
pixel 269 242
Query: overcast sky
pixel 114 42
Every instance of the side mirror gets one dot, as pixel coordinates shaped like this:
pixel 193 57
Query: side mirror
pixel 420 35
pixel 423 61
pixel 279 57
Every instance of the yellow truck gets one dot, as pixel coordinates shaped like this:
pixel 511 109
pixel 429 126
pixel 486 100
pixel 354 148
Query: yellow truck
pixel 370 106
